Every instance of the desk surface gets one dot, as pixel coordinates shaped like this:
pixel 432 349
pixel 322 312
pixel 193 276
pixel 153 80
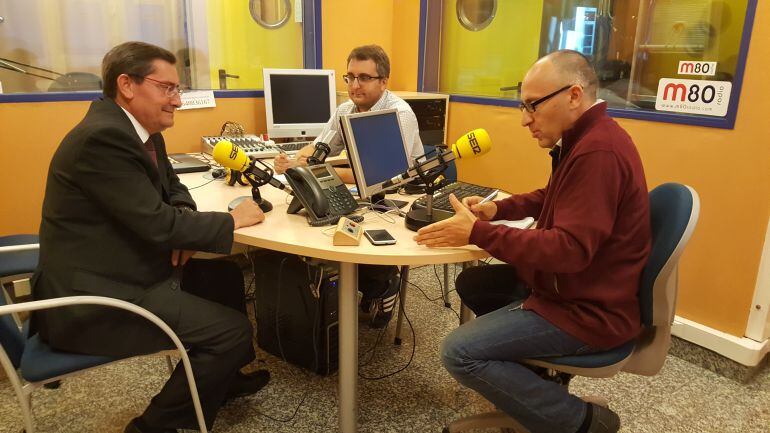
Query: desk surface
pixel 292 234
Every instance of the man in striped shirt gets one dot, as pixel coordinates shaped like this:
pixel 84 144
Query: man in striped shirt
pixel 367 82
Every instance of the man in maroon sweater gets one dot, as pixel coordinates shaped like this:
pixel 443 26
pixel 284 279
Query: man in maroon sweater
pixel 569 286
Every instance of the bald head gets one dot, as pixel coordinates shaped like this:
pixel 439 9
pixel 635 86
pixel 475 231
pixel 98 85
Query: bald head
pixel 568 67
pixel 557 90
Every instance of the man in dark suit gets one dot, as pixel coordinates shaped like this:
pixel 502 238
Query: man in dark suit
pixel 117 222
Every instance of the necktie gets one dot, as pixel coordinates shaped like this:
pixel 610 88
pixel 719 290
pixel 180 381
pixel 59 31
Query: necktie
pixel 149 146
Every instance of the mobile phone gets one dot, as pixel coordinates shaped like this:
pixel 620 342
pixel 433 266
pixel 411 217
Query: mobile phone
pixel 379 237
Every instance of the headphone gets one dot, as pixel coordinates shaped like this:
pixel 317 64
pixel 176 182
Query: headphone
pixel 232 177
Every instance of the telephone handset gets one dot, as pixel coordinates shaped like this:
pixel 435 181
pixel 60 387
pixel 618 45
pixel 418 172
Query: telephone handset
pixel 321 192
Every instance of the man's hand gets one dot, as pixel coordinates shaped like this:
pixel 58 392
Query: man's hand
pixel 451 232
pixel 484 211
pixel 246 214
pixel 180 257
pixel 284 162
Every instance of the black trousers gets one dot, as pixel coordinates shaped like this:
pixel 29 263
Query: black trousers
pixel 213 326
pixel 486 288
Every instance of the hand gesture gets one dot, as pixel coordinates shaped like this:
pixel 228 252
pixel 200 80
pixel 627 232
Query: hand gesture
pixel 451 232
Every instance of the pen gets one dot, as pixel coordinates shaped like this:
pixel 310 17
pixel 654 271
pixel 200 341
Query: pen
pixel 492 195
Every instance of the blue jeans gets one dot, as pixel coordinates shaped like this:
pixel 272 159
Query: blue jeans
pixel 485 353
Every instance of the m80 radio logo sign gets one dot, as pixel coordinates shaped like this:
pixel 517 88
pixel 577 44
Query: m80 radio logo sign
pixel 710 98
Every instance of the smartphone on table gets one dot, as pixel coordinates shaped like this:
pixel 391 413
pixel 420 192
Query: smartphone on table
pixel 379 237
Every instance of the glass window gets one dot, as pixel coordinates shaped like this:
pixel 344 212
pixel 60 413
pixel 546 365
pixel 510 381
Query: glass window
pixel 270 13
pixel 476 14
pixel 633 45
pixel 59 45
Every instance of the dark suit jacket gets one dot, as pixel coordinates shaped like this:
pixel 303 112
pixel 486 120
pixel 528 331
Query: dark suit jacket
pixel 110 221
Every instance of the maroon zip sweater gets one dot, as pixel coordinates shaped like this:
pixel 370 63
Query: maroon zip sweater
pixel 585 257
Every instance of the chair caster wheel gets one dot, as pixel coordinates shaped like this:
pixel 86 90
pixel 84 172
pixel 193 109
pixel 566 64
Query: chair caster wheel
pixel 448 304
pixel 445 430
pixel 397 341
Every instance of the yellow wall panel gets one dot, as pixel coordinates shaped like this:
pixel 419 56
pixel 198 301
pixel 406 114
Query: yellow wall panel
pixel 349 24
pixel 481 62
pixel 406 36
pixel 242 47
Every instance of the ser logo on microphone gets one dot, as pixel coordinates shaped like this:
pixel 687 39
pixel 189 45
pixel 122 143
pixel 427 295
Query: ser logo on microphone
pixel 474 143
pixel 234 152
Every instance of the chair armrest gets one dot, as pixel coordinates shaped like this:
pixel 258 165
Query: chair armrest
pixel 123 305
pixel 92 300
pixel 19 248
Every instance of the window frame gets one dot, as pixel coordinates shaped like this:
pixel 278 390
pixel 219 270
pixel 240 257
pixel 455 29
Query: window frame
pixel 311 55
pixel 428 70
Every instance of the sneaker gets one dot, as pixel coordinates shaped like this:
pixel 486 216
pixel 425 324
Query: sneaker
pixel 603 420
pixel 383 312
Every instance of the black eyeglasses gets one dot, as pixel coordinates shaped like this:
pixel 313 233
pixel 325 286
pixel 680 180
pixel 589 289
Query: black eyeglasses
pixel 170 88
pixel 362 79
pixel 531 106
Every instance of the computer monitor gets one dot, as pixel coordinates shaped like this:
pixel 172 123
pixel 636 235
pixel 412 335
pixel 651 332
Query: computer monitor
pixel 376 148
pixel 298 102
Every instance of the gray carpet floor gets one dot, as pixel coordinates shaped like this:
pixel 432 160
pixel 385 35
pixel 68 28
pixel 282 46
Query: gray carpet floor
pixel 422 398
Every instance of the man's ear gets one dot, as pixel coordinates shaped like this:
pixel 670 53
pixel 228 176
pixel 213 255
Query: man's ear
pixel 384 82
pixel 576 95
pixel 125 86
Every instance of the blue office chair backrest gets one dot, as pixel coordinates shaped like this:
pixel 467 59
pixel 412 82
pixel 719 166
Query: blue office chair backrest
pixel 674 210
pixel 11 337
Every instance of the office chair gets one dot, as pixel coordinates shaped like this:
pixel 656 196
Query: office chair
pixel 30 363
pixel 674 210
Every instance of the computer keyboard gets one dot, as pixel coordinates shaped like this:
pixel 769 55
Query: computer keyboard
pixel 253 145
pixel 293 146
pixel 459 189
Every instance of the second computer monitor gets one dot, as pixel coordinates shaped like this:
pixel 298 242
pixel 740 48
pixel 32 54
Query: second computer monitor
pixel 298 102
pixel 376 148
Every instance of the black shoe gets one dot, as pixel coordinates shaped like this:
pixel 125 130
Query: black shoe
pixel 603 420
pixel 136 425
pixel 381 319
pixel 247 384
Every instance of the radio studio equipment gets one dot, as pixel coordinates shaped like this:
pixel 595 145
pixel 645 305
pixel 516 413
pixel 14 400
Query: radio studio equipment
pixel 470 145
pixel 233 157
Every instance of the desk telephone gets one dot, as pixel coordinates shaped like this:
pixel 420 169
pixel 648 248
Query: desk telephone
pixel 322 193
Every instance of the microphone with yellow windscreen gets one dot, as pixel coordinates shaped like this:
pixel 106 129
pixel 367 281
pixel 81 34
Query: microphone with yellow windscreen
pixel 472 144
pixel 231 156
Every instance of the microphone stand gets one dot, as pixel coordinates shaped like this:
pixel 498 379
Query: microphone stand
pixel 11 66
pixel 256 182
pixel 418 218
